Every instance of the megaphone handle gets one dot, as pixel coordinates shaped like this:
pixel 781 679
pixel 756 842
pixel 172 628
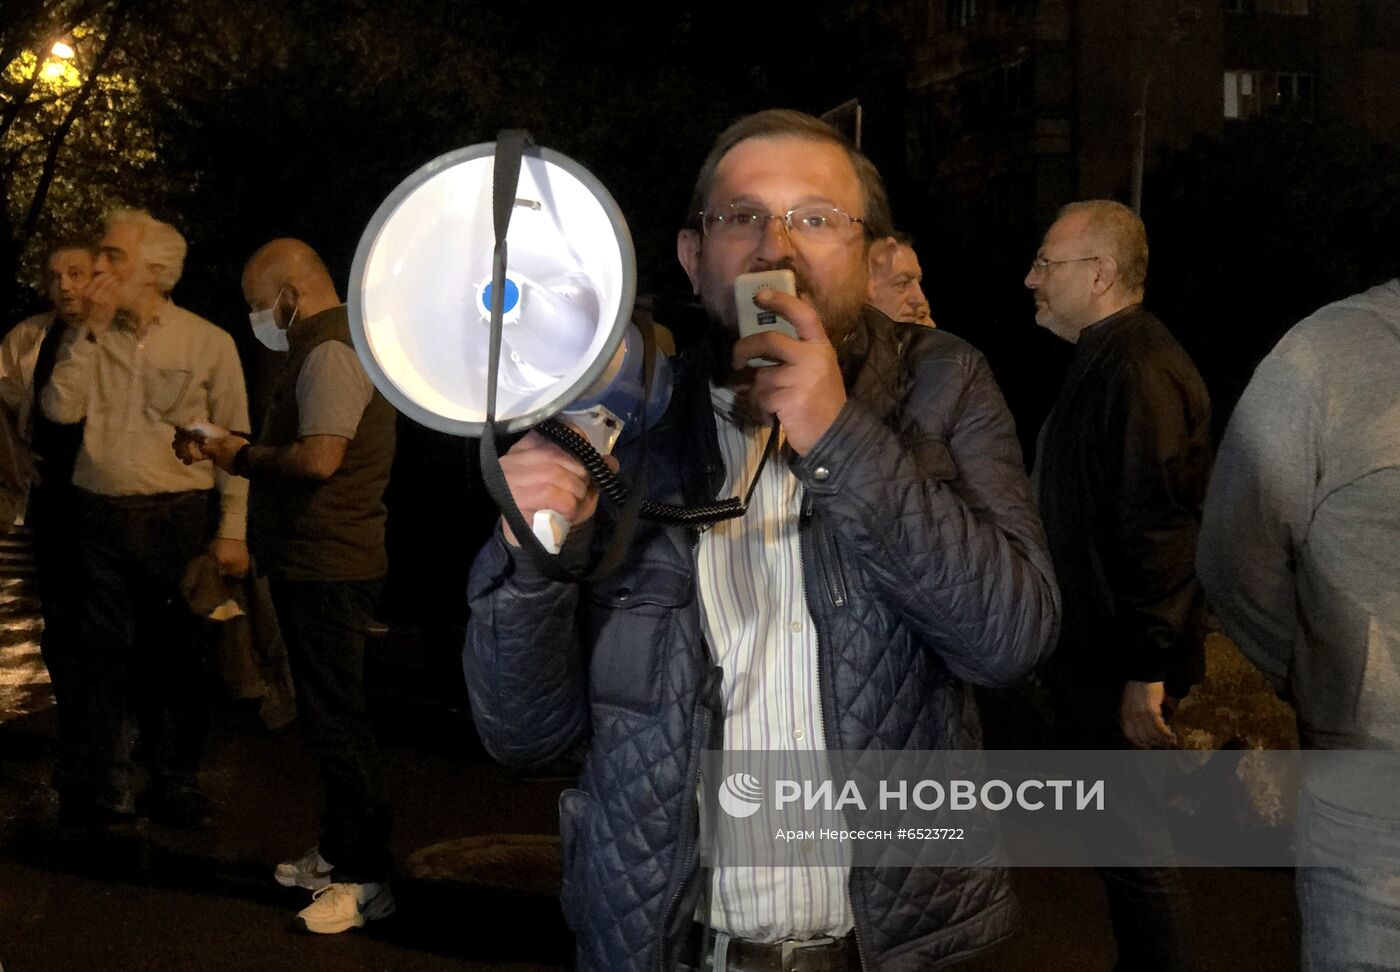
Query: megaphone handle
pixel 550 529
pixel 600 427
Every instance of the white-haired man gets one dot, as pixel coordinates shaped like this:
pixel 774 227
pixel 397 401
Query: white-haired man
pixel 137 369
pixel 1120 474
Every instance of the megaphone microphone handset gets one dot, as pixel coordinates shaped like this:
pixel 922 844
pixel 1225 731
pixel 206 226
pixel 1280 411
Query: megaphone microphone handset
pixel 754 319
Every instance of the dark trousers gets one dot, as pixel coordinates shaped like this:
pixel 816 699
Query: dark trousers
pixel 1148 906
pixel 58 571
pixel 144 653
pixel 323 624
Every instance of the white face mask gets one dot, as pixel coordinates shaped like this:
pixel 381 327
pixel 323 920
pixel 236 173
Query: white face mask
pixel 265 327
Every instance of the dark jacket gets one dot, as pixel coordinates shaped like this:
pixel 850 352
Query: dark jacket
pixel 924 569
pixel 1121 474
pixel 331 530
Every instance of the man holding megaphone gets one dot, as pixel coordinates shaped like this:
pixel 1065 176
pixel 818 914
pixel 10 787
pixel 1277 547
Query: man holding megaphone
pixel 890 554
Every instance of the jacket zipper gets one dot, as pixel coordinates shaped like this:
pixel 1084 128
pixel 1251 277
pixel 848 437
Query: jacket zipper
pixel 700 722
pixel 835 585
pixel 704 719
pixel 825 700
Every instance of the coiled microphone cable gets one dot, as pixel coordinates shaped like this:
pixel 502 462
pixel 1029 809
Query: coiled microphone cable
pixel 611 486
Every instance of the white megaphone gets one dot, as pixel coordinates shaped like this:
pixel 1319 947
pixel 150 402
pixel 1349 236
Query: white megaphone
pixel 422 289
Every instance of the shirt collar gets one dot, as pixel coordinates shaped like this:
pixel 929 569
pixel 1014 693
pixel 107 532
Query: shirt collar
pixel 1100 328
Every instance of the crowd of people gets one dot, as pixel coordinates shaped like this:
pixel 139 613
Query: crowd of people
pixel 895 554
pixel 146 479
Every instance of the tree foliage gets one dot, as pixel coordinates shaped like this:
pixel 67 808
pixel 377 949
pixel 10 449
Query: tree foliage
pixel 243 121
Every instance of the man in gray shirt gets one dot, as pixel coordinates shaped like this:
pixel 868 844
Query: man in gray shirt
pixel 1300 556
pixel 319 471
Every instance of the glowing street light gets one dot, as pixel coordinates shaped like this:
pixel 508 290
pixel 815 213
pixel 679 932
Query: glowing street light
pixel 59 66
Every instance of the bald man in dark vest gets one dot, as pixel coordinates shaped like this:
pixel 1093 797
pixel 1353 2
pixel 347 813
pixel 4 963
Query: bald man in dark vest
pixel 318 473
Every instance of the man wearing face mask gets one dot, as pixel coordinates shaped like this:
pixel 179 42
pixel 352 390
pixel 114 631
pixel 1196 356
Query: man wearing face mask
pixel 318 472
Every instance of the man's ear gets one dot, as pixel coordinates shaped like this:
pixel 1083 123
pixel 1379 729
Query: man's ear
pixel 1105 276
pixel 879 254
pixel 688 243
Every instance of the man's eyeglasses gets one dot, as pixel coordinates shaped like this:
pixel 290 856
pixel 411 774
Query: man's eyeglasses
pixel 814 224
pixel 1040 264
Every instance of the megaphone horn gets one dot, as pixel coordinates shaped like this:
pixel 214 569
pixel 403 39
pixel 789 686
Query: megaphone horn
pixel 426 283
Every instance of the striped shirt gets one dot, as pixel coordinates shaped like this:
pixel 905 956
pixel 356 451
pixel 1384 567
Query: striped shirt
pixel 749 572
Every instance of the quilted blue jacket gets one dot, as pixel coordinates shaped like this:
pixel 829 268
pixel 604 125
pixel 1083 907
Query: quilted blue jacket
pixel 925 569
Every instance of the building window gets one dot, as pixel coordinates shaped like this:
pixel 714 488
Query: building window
pixel 962 14
pixel 1009 89
pixel 1295 94
pixel 1240 99
pixel 1288 94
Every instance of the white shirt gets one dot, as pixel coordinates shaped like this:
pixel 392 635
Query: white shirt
pixel 133 391
pixel 19 354
pixel 753 605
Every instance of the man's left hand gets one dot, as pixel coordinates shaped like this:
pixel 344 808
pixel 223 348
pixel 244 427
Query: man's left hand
pixel 230 555
pixel 223 450
pixel 804 389
pixel 1141 716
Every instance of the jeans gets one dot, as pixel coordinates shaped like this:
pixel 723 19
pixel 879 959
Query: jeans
pixel 144 653
pixel 323 624
pixel 1350 907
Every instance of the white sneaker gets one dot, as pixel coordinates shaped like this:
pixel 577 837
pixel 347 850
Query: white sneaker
pixel 310 871
pixel 340 907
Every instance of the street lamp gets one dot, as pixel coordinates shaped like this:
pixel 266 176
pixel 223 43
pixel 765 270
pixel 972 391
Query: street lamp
pixel 58 66
pixel 1186 18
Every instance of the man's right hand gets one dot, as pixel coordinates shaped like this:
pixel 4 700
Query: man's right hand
pixel 542 476
pixel 100 302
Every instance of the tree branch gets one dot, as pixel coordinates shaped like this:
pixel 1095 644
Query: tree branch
pixel 57 26
pixel 36 205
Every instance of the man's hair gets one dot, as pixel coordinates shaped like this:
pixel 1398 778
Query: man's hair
pixel 1119 230
pixel 785 123
pixel 65 244
pixel 902 238
pixel 161 245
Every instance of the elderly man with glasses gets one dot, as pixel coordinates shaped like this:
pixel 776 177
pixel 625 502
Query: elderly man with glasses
pixel 1120 476
pixel 890 556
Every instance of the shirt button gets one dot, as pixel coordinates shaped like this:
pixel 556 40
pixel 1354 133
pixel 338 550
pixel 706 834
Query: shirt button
pixel 821 474
pixel 796 627
pixel 799 735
